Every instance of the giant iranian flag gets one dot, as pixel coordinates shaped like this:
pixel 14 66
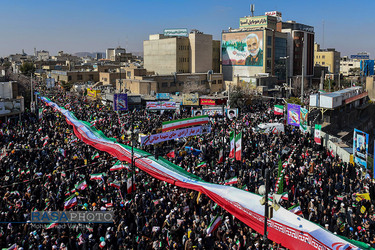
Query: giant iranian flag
pixel 187 122
pixel 286 228
pixel 317 135
pixel 278 110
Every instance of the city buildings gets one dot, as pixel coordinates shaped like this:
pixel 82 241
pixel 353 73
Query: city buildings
pixel 328 58
pixel 300 49
pixel 174 52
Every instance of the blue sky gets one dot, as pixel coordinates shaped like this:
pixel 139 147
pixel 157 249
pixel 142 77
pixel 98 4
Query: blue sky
pixel 83 25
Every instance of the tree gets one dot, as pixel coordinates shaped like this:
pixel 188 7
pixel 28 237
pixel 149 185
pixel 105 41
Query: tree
pixel 27 68
pixel 294 100
pixel 238 97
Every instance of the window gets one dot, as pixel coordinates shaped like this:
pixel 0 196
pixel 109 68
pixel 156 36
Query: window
pixel 219 81
pixel 268 64
pixel 69 78
pixel 91 77
pixel 269 40
pixel 323 57
pixel 214 82
pixel 173 84
pixel 79 77
pixel 180 83
pixel 323 63
pixel 164 85
pixel 269 52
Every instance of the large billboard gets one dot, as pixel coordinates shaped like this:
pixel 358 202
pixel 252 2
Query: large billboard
pixel 294 111
pixel 120 102
pixel 176 32
pixel 242 48
pixel 190 99
pixel 360 147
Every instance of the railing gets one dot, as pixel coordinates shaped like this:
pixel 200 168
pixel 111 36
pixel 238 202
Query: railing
pixel 355 98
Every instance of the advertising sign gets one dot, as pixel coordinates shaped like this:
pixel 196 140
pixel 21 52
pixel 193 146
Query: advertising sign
pixel 162 96
pixel 207 102
pixel 360 57
pixel 360 147
pixel 242 48
pixel 252 22
pixel 190 99
pixel 160 105
pixel 303 120
pixel 120 102
pixel 156 138
pixel 294 114
pixel 176 32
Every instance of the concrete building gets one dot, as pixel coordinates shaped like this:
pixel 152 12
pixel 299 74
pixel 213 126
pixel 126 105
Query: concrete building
pixel 328 58
pixel 11 103
pixel 194 53
pixel 254 48
pixel 75 76
pixel 204 83
pixel 300 48
pixel 350 66
pixel 42 55
pixel 112 52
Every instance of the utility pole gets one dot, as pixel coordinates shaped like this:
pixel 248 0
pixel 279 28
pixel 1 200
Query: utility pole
pixel 31 93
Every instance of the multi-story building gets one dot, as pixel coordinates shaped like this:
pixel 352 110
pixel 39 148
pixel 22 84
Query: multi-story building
pixel 328 58
pixel 203 83
pixel 300 50
pixel 257 46
pixel 75 76
pixel 187 53
pixel 112 52
pixel 351 66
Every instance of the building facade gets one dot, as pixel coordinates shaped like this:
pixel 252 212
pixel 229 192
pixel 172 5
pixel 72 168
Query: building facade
pixel 328 58
pixel 194 53
pixel 300 48
pixel 204 83
pixel 254 48
pixel 75 76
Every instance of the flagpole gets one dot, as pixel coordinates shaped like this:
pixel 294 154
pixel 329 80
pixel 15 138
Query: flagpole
pixel 223 133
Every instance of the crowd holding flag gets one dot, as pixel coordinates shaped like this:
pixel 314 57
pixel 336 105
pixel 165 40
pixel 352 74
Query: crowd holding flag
pixel 317 134
pixel 279 110
pixel 215 223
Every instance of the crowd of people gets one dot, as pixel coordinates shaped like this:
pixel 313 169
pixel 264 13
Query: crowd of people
pixel 42 162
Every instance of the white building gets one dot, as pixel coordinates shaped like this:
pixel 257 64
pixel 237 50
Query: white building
pixel 111 53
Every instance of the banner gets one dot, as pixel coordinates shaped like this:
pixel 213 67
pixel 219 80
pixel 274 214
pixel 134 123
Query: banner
pixel 360 147
pixel 156 138
pixel 120 102
pixel 187 122
pixel 207 102
pixel 294 114
pixel 286 228
pixel 317 135
pixel 160 105
pixel 303 121
pixel 190 99
pixel 212 111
